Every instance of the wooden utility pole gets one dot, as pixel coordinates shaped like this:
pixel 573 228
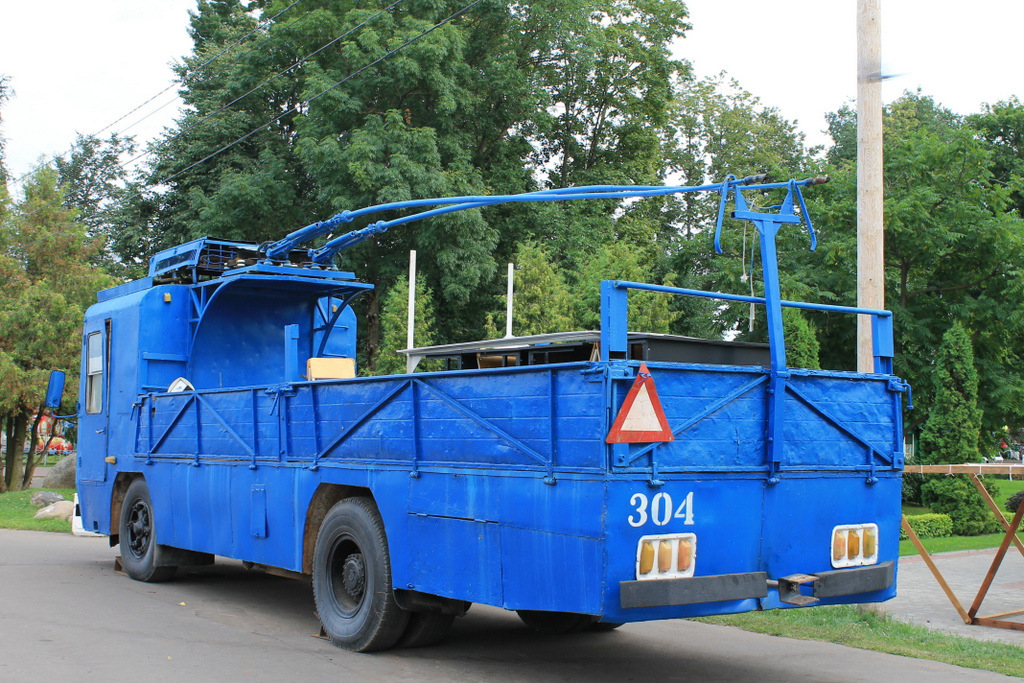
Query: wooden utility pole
pixel 870 243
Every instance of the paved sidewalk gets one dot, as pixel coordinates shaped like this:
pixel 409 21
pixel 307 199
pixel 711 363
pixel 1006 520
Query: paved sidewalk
pixel 920 599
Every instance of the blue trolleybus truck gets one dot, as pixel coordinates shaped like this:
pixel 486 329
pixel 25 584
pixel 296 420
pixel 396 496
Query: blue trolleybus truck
pixel 584 480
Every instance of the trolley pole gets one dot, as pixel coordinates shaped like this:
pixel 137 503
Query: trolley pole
pixel 870 242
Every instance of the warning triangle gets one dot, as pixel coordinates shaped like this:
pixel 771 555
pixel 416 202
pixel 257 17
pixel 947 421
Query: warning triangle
pixel 641 418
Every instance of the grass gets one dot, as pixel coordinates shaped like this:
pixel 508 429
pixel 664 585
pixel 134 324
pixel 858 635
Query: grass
pixel 17 512
pixel 866 630
pixel 1006 488
pixel 955 543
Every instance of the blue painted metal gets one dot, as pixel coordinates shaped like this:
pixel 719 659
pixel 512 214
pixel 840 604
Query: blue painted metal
pixel 495 486
pixel 326 253
pixel 54 389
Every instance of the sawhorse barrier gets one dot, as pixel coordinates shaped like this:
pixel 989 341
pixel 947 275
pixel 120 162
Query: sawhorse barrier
pixel 970 616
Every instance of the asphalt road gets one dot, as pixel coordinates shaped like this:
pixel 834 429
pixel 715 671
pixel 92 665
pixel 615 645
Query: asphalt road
pixel 66 615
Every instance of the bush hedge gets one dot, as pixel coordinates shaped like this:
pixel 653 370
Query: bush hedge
pixel 929 526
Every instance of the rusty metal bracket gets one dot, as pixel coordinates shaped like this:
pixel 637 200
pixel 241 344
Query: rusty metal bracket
pixel 789 589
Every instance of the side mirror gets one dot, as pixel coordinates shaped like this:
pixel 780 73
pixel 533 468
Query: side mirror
pixel 55 389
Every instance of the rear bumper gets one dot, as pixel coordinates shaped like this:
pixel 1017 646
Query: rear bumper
pixel 854 580
pixel 722 587
pixel 692 590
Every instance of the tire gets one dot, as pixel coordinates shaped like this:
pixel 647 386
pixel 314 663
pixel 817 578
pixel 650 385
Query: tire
pixel 426 629
pixel 604 626
pixel 352 579
pixel 556 623
pixel 138 536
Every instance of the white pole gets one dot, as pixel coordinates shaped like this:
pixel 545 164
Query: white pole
pixel 411 321
pixel 870 245
pixel 508 303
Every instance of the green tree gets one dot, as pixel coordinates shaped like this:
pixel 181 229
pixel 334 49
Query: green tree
pixel 394 326
pixel 802 346
pixel 718 128
pixel 648 311
pixel 951 435
pixel 97 185
pixel 503 98
pixel 541 299
pixel 951 432
pixel 46 282
pixel 954 250
pixel 1001 125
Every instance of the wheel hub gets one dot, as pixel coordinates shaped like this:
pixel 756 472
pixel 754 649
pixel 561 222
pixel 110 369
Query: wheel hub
pixel 353 575
pixel 139 528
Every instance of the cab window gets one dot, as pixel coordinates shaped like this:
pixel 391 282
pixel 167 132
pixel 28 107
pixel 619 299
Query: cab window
pixel 94 373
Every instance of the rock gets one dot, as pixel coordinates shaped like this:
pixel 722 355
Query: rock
pixel 61 475
pixel 44 498
pixel 62 509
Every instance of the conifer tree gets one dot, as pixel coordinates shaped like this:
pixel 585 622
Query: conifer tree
pixel 802 345
pixel 542 301
pixel 648 311
pixel 951 435
pixel 394 326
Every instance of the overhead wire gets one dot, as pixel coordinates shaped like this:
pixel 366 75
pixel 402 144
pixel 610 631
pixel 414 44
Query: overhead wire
pixel 124 164
pixel 298 63
pixel 259 26
pixel 297 108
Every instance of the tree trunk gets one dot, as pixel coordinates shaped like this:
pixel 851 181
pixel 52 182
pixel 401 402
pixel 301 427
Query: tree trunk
pixel 33 456
pixel 15 445
pixel 6 426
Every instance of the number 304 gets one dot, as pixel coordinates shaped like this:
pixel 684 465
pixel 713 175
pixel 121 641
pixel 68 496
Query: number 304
pixel 660 509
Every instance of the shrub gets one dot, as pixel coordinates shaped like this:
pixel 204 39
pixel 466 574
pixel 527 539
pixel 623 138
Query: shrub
pixel 912 488
pixel 929 526
pixel 957 497
pixel 1013 502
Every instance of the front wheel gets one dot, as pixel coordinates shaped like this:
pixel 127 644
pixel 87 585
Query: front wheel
pixel 138 536
pixel 352 579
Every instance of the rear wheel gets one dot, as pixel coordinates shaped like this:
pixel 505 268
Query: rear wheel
pixel 552 623
pixel 426 629
pixel 138 536
pixel 352 579
pixel 604 626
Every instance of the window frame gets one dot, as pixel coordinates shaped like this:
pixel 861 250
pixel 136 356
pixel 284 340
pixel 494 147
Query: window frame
pixel 94 376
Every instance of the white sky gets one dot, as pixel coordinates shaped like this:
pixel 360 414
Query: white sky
pixel 78 66
pixel 801 55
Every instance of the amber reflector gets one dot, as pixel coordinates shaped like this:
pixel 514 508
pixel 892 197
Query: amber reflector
pixel 869 542
pixel 664 556
pixel 853 544
pixel 646 557
pixel 838 545
pixel 685 555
